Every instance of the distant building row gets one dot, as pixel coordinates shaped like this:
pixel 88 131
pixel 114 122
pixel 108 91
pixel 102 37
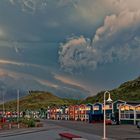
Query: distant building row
pixel 120 112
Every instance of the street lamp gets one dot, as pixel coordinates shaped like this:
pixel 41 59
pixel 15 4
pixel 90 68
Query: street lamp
pixel 108 100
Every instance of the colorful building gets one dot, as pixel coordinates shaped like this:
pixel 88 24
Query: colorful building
pixel 119 111
pixel 71 112
pixel 89 111
pixel 83 116
pixel 53 113
pixel 97 115
pixel 115 112
pixel 129 113
pixel 65 113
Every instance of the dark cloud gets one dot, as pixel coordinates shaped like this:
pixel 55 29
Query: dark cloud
pixel 97 38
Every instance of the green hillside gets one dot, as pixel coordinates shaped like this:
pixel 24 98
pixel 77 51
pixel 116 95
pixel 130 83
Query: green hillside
pixel 128 91
pixel 37 100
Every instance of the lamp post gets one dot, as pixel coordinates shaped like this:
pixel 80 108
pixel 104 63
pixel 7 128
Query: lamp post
pixel 48 113
pixel 18 112
pixel 3 106
pixel 108 100
pixel 85 113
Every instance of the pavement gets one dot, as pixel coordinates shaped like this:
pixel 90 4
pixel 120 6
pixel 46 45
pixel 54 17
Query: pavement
pixel 118 132
pixel 51 130
pixel 47 132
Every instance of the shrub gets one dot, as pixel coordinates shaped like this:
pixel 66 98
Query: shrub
pixel 29 122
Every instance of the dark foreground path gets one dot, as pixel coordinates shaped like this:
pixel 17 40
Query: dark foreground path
pixel 120 132
pixel 49 131
pixel 52 128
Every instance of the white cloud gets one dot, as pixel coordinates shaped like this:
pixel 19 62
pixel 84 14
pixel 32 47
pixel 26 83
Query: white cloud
pixel 10 62
pixel 117 25
pixel 117 36
pixel 30 5
pixel 77 53
pixel 117 40
pixel 68 81
pixel 72 3
pixel 124 4
pixel 47 83
pixel 2 33
pixel 95 10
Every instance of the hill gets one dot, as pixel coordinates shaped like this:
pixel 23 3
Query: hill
pixel 10 84
pixel 128 91
pixel 37 100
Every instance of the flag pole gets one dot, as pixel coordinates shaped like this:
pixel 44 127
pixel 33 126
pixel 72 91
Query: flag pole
pixel 18 108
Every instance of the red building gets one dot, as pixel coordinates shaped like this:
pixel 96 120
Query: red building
pixel 71 112
pixel 78 112
pixel 53 113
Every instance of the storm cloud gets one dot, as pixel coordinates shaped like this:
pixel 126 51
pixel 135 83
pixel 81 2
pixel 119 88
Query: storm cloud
pixel 70 47
pixel 116 40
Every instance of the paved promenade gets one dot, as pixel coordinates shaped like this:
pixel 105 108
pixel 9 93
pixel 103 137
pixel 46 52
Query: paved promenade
pixel 48 132
pixel 51 130
pixel 119 132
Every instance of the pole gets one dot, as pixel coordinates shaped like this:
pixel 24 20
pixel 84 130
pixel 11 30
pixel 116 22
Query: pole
pixel 3 107
pixel 85 114
pixel 3 104
pixel 108 100
pixel 104 135
pixel 18 108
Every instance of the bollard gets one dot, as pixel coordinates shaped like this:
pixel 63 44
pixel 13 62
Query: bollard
pixel 0 126
pixel 10 126
pixel 79 139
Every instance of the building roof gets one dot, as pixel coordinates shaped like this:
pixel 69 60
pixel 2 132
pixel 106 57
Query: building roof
pixel 133 103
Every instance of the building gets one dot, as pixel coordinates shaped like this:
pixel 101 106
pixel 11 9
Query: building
pixel 64 113
pixel 53 113
pixel 120 112
pixel 129 113
pixel 89 111
pixel 71 112
pixel 82 112
pixel 76 113
pixel 115 112
pixel 97 115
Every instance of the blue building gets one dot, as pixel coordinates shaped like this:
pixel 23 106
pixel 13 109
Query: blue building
pixel 97 114
pixel 89 112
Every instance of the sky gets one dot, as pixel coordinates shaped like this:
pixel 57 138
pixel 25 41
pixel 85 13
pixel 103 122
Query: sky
pixel 72 48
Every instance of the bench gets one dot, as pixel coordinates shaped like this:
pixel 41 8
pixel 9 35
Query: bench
pixel 79 139
pixel 68 136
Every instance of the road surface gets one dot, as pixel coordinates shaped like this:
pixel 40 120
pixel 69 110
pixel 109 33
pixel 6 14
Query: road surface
pixel 52 128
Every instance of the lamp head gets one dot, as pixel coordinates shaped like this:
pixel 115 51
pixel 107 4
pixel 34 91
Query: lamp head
pixel 109 99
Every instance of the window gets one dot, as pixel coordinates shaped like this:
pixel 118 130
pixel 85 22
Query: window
pixel 138 112
pixel 138 108
pixel 127 112
pixel 131 108
pixel 131 116
pixel 108 107
pixel 137 116
pixel 96 108
pixel 88 108
pixel 82 111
